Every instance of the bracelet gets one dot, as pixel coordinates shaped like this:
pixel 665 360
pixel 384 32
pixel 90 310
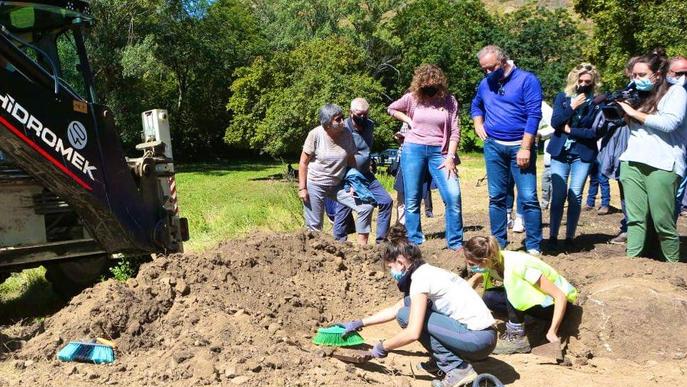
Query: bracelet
pixel 521 148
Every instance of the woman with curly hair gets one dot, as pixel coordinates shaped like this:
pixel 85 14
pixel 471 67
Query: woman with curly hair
pixel 573 147
pixel 430 147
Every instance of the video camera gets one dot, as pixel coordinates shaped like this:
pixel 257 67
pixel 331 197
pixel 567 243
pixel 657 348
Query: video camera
pixel 612 111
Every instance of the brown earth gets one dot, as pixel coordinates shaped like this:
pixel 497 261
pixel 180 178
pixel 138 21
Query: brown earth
pixel 245 313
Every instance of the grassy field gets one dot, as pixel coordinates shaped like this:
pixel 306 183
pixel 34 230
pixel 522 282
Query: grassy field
pixel 233 199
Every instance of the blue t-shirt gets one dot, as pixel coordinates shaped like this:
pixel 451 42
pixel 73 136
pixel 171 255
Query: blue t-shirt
pixel 510 107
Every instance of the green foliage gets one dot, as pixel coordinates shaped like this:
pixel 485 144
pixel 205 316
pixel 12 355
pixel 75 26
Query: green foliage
pixel 275 102
pixel 124 270
pixel 625 28
pixel 546 42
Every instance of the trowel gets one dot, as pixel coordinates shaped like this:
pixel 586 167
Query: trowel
pixel 550 350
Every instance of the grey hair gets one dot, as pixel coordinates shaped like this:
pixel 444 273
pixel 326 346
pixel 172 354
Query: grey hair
pixel 360 104
pixel 328 112
pixel 501 55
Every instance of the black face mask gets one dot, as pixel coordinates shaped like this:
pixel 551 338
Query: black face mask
pixel 584 89
pixel 360 121
pixel 404 283
pixel 429 91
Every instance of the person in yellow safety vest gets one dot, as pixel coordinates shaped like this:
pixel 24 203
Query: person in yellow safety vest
pixel 528 286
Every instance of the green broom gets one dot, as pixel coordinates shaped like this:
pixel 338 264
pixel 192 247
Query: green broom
pixel 333 337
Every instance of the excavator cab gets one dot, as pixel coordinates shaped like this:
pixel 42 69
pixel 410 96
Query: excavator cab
pixel 72 200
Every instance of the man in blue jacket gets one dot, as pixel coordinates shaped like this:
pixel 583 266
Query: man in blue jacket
pixel 506 112
pixel 361 127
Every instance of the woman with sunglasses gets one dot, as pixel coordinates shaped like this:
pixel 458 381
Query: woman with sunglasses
pixel 573 148
pixel 654 161
pixel 328 153
pixel 430 147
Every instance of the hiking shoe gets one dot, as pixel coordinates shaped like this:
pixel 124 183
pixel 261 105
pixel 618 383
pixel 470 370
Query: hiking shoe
pixel 620 239
pixel 603 211
pixel 457 377
pixel 518 225
pixel 509 344
pixel 430 366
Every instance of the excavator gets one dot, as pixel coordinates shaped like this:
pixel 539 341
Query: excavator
pixel 71 200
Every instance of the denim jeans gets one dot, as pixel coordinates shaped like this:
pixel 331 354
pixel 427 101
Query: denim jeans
pixel 385 204
pixel 680 197
pixel 501 165
pixel 450 342
pixel 577 170
pixel 416 160
pixel 598 180
pixel 510 199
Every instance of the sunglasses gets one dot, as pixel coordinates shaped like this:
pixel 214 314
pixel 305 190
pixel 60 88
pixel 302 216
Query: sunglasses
pixel 338 119
pixel 679 74
pixel 587 67
pixel 585 81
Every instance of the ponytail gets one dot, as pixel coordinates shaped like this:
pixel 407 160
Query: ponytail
pixel 484 249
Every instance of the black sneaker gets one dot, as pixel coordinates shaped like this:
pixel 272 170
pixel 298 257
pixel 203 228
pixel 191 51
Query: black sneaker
pixel 430 366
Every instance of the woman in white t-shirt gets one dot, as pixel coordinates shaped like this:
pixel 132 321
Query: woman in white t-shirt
pixel 439 309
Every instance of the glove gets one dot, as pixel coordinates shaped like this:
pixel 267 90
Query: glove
pixel 350 326
pixel 378 351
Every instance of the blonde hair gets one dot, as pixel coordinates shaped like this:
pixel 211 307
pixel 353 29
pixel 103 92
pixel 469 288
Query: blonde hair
pixel 575 74
pixel 486 250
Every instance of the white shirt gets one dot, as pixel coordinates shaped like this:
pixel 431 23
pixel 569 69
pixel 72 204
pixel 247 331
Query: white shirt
pixel 451 296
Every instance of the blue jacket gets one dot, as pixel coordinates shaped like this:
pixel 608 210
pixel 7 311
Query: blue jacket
pixel 511 107
pixel 363 142
pixel 584 133
pixel 360 184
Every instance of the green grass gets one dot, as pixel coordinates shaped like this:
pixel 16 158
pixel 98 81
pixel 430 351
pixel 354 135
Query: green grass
pixel 225 201
pixel 27 294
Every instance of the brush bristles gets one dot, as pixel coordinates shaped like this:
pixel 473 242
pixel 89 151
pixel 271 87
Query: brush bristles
pixel 337 340
pixel 87 353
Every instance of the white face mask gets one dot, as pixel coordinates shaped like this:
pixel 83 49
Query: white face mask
pixel 676 81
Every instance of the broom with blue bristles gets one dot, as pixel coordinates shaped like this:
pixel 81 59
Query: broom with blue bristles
pixel 87 352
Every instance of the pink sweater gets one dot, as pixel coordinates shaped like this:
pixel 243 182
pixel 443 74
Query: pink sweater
pixel 427 129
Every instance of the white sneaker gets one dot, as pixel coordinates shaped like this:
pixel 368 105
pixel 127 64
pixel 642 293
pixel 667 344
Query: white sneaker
pixel 518 225
pixel 509 221
pixel 534 252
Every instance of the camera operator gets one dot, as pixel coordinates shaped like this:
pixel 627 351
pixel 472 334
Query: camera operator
pixel 654 161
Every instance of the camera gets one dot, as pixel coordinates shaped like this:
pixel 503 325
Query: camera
pixel 612 111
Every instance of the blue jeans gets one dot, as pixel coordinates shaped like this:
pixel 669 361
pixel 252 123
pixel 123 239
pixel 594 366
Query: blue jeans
pixel 510 199
pixel 447 340
pixel 562 167
pixel 501 165
pixel 344 215
pixel 596 180
pixel 680 197
pixel 416 160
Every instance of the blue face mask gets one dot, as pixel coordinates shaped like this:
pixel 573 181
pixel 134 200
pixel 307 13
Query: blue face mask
pixel 397 275
pixel 496 75
pixel 676 81
pixel 644 84
pixel 477 269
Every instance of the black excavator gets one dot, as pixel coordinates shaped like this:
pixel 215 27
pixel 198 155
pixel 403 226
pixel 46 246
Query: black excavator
pixel 71 200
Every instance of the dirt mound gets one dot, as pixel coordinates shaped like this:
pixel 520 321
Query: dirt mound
pixel 245 313
pixel 246 308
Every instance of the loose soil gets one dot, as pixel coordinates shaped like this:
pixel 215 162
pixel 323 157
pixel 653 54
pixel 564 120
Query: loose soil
pixel 245 312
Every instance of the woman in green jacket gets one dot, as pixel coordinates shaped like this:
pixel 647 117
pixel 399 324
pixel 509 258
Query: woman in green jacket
pixel 528 286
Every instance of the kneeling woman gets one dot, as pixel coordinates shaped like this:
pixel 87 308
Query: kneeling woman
pixel 439 309
pixel 530 287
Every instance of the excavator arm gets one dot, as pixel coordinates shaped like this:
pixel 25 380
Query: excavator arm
pixel 69 143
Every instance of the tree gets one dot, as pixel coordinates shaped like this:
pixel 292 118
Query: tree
pixel 625 28
pixel 275 101
pixel 546 42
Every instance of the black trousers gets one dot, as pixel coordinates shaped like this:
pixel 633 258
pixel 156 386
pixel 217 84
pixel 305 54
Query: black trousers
pixel 496 301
